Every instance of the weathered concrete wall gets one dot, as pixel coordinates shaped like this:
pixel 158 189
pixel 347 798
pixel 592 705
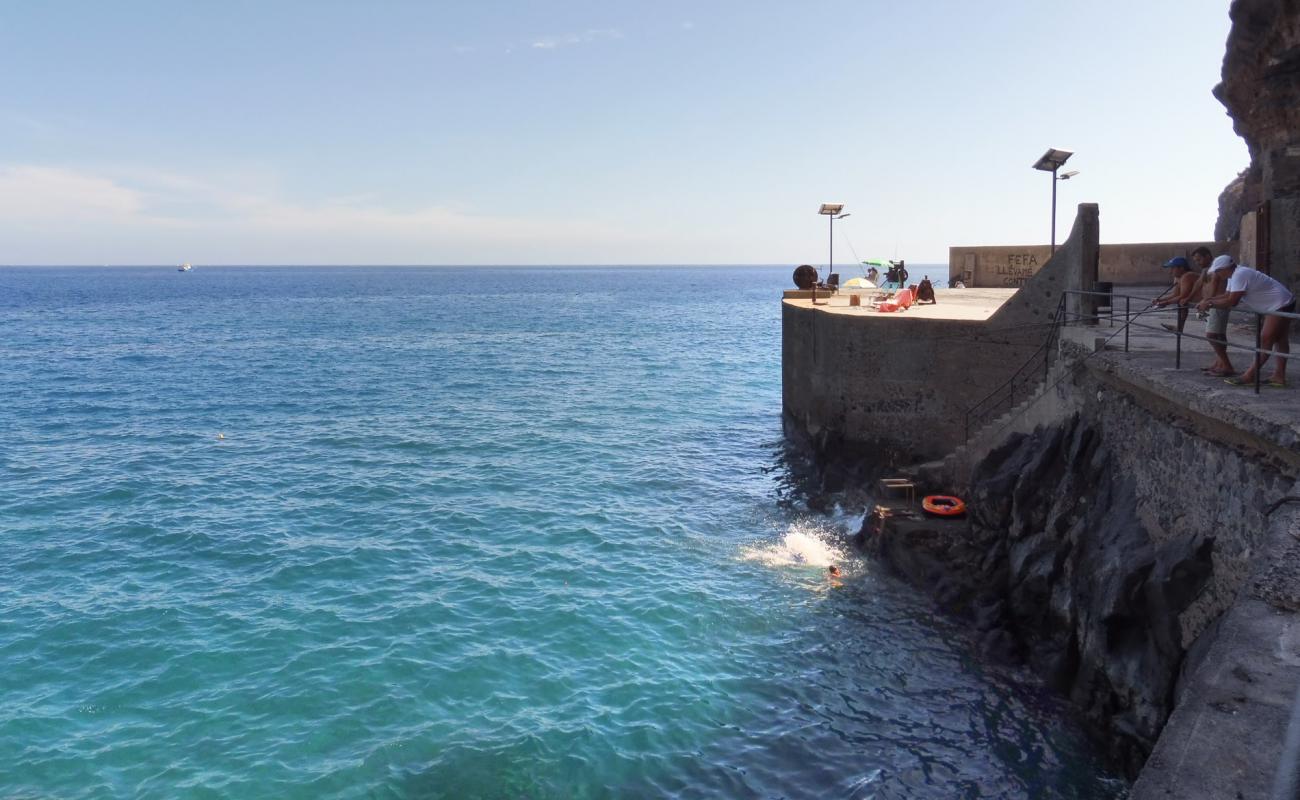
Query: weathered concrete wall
pixel 1195 476
pixel 894 382
pixel 1007 266
pixel 1190 454
pixel 1122 264
pixel 1139 263
pixel 883 383
pixel 1234 697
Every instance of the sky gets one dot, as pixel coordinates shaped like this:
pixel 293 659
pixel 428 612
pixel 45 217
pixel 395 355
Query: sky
pixel 612 132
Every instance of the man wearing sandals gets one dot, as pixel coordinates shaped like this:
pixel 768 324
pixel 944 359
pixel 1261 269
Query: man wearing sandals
pixel 1216 322
pixel 1260 293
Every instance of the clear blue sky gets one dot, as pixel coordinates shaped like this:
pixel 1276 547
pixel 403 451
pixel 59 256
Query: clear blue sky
pixel 613 132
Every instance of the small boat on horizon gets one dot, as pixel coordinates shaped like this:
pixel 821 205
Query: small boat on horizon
pixel 184 267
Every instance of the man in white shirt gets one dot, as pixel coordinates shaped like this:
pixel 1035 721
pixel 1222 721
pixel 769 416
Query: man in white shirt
pixel 1259 292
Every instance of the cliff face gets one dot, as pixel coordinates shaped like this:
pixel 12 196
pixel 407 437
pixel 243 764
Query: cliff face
pixel 1261 72
pixel 1093 598
pixel 1057 568
pixel 1261 89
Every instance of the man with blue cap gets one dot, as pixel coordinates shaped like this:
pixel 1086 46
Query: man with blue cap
pixel 1185 285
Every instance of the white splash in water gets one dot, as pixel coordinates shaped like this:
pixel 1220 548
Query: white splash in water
pixel 801 545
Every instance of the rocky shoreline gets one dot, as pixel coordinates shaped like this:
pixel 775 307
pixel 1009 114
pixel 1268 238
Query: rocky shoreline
pixel 1056 570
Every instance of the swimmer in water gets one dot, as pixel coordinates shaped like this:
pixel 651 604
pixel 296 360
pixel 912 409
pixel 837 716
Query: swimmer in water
pixel 833 571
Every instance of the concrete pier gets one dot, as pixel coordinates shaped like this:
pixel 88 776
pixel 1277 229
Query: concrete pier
pixel 967 305
pixel 853 378
pixel 1210 466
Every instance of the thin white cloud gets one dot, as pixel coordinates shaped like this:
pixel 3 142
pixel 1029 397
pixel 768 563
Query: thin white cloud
pixel 61 215
pixel 37 192
pixel 570 39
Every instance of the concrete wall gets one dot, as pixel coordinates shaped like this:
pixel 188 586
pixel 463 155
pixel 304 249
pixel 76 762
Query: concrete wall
pixel 1127 264
pixel 1284 242
pixel 883 383
pixel 1001 266
pixel 1202 466
pixel 898 382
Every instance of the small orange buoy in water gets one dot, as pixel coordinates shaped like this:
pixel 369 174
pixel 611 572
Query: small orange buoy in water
pixel 942 505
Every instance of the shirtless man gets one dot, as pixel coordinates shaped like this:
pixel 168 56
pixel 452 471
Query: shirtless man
pixel 1183 292
pixel 1216 324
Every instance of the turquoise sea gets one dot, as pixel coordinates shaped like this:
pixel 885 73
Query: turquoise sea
pixel 455 533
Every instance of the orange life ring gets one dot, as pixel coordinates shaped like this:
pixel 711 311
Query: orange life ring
pixel 942 505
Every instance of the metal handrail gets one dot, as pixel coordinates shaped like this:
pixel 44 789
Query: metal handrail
pixel 1178 350
pixel 1065 317
pixel 1009 385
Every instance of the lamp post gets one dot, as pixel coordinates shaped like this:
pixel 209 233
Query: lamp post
pixel 1051 161
pixel 832 211
pixel 1064 176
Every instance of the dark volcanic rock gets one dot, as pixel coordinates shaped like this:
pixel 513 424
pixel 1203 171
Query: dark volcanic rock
pixel 1261 89
pixel 1055 567
pixel 1238 198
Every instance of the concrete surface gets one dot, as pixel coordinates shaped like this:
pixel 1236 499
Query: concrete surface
pixel 1011 265
pixel 961 304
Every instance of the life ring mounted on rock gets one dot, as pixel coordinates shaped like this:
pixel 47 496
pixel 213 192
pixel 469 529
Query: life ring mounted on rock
pixel 942 505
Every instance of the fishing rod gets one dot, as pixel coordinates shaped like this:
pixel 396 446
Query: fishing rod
pixel 852 250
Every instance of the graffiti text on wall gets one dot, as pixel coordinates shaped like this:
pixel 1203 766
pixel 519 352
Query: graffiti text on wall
pixel 1018 269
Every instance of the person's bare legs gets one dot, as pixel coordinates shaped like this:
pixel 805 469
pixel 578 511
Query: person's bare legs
pixel 1221 362
pixel 1268 339
pixel 1283 346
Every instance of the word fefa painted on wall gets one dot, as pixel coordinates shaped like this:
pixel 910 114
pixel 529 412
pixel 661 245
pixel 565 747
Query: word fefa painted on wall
pixel 1019 268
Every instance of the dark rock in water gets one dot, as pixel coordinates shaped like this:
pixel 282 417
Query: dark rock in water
pixel 1054 566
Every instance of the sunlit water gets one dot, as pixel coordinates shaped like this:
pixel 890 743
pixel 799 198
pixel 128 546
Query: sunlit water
pixel 407 533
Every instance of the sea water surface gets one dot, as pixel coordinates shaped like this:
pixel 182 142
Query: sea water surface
pixel 454 533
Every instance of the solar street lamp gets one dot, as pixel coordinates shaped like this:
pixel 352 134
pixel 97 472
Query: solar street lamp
pixel 1051 161
pixel 832 211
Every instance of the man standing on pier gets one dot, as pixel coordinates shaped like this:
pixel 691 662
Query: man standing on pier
pixel 1260 293
pixel 1216 325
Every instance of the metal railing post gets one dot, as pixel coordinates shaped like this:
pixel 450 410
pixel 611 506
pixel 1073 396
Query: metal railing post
pixel 1128 317
pixel 1259 333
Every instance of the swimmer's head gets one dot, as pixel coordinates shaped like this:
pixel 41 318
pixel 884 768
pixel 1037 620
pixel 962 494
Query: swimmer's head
pixel 833 571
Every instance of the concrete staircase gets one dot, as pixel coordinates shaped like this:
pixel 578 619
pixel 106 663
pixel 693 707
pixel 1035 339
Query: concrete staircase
pixel 954 470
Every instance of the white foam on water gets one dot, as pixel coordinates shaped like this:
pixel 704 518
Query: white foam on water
pixel 802 544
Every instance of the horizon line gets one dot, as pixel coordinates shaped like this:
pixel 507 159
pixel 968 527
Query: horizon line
pixel 430 266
